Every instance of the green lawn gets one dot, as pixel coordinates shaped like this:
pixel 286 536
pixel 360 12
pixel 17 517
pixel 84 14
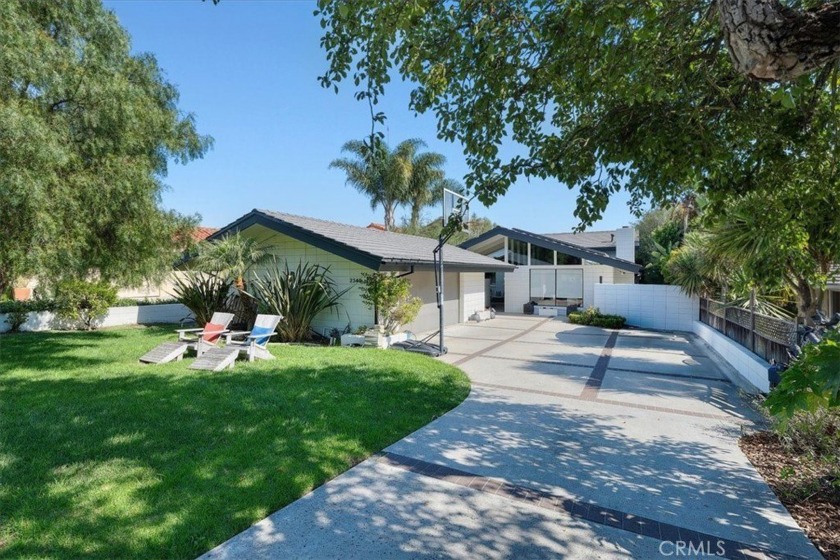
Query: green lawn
pixel 102 457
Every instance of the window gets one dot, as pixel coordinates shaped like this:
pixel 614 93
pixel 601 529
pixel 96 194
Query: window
pixel 569 287
pixel 541 256
pixel 517 252
pixel 563 258
pixel 496 250
pixel 543 286
pixel 555 286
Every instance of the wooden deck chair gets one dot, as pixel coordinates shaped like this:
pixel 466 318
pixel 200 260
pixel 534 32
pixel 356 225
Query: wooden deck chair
pixel 198 339
pixel 207 337
pixel 255 341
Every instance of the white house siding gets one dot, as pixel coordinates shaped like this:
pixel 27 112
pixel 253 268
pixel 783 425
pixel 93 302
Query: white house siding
pixel 342 272
pixel 472 294
pixel 518 283
pixel 423 286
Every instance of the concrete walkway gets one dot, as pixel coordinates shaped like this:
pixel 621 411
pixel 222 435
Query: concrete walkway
pixel 575 442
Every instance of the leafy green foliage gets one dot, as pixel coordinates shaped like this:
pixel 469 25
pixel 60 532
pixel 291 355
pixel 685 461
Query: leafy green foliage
pixel 433 228
pixel 203 294
pixel 390 298
pixel 230 257
pixel 598 95
pixel 299 295
pixel 592 316
pixel 83 302
pixel 17 313
pixel 812 382
pixel 105 458
pixel 87 131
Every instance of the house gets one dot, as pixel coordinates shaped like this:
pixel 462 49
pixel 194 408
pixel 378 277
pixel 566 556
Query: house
pixel 555 270
pixel 349 251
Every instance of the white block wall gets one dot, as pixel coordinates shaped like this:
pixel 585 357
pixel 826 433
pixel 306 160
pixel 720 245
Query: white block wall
pixel 748 365
pixel 650 306
pixel 472 294
pixel 116 316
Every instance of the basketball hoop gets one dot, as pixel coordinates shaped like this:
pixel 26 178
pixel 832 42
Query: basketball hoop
pixel 456 212
pixel 456 217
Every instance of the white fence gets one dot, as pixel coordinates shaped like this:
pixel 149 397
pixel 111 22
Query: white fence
pixel 116 316
pixel 650 306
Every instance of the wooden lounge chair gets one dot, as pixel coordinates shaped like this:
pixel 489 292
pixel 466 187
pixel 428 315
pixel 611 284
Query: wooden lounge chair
pixel 255 341
pixel 199 340
pixel 207 337
pixel 254 344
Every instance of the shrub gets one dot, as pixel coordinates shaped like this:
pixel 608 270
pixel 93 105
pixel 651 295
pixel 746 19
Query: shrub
pixel 390 298
pixel 812 382
pixel 593 317
pixel 297 295
pixel 83 302
pixel 203 294
pixel 16 314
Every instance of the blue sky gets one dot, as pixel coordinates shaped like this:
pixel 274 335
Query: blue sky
pixel 248 71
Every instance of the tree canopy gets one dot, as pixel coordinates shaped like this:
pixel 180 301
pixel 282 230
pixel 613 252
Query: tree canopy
pixel 598 95
pixel 86 133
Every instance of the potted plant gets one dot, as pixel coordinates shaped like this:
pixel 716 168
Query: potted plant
pixel 356 338
pixel 393 306
pixel 21 290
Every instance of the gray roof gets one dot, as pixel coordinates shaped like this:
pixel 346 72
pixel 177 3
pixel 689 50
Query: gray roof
pixel 378 250
pixel 589 239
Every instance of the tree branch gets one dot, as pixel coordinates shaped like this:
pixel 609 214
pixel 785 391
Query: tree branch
pixel 768 41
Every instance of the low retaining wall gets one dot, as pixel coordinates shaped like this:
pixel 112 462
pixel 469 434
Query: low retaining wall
pixel 116 316
pixel 751 367
pixel 650 306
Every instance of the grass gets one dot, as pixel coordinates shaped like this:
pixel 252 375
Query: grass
pixel 102 457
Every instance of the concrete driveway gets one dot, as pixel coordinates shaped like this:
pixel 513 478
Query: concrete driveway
pixel 575 442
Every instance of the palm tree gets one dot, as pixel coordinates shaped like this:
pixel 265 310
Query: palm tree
pixel 230 257
pixel 426 180
pixel 394 178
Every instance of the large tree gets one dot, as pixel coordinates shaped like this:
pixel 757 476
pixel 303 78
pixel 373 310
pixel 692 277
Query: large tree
pixel 86 133
pixel 394 178
pixel 602 95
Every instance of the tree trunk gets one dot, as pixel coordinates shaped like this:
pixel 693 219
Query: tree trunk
pixel 810 299
pixel 415 216
pixel 768 41
pixel 389 217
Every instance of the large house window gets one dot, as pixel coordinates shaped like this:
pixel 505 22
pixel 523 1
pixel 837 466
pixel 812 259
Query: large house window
pixel 563 258
pixel 556 286
pixel 543 286
pixel 541 256
pixel 517 252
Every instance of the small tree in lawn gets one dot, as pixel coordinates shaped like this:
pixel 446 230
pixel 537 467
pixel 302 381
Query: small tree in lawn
pixel 390 298
pixel 84 302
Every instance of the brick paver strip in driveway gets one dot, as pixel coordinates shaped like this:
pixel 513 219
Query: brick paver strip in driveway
pixel 714 545
pixel 593 384
pixel 535 463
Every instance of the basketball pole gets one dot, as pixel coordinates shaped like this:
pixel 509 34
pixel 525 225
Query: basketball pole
pixel 438 254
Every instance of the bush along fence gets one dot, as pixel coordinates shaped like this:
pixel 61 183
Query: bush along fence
pixel 146 313
pixel 765 336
